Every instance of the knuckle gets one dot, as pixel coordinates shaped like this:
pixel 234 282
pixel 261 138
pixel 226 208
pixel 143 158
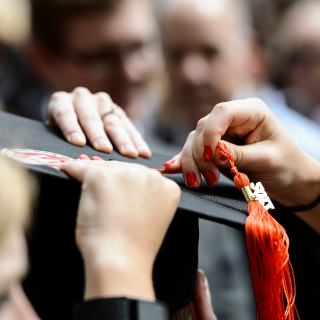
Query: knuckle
pixel 201 124
pixel 81 91
pixel 191 135
pixel 103 96
pixel 112 121
pixel 59 95
pixel 118 111
pixel 187 160
pixel 59 112
pixel 222 107
pixel 257 101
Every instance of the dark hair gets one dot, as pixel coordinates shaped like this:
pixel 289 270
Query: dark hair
pixel 49 17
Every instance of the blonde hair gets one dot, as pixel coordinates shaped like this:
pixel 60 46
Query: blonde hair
pixel 14 21
pixel 16 190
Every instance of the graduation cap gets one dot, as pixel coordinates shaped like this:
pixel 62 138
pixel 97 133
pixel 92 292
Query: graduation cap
pixel 56 279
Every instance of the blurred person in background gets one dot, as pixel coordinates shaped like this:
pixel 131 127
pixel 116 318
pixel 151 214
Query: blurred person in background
pixel 211 57
pixel 296 49
pixel 200 39
pixel 21 93
pixel 106 45
pixel 14 32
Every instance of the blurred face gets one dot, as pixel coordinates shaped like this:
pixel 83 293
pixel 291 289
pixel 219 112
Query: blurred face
pixel 13 264
pixel 206 64
pixel 117 52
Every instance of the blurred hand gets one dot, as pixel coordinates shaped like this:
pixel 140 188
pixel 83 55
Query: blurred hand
pixel 260 146
pixel 201 307
pixel 81 114
pixel 124 212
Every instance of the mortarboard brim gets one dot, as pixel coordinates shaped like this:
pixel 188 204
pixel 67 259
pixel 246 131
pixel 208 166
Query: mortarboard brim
pixel 223 204
pixel 55 280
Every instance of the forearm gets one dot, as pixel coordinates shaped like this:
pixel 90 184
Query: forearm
pixel 117 275
pixel 307 195
pixel 311 218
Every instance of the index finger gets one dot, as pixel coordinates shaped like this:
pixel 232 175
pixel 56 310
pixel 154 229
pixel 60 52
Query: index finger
pixel 62 114
pixel 240 117
pixel 76 169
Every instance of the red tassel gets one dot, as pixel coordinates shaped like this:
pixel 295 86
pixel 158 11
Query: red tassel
pixel 268 250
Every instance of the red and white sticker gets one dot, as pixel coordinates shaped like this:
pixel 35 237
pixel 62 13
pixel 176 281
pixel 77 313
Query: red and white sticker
pixel 36 157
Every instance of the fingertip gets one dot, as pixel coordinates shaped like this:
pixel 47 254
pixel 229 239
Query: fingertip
pixel 172 164
pixel 74 168
pixel 128 150
pixel 77 138
pixel 144 151
pixel 145 154
pixel 192 180
pixel 207 153
pixel 103 145
pixel 210 177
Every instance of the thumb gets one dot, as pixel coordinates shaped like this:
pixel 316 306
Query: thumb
pixel 202 305
pixel 76 169
pixel 245 157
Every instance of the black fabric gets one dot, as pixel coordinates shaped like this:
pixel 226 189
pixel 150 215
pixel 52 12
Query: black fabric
pixel 305 258
pixel 223 204
pixel 120 309
pixel 56 268
pixel 55 281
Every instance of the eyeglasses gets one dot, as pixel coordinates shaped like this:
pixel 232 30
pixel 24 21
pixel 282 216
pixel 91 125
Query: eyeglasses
pixel 109 59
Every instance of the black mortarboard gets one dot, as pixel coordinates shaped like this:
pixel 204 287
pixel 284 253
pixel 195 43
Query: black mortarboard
pixel 55 281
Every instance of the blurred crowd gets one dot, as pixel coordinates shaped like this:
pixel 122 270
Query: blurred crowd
pixel 167 63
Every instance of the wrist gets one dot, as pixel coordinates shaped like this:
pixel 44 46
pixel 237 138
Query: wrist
pixel 309 187
pixel 311 217
pixel 110 273
pixel 305 187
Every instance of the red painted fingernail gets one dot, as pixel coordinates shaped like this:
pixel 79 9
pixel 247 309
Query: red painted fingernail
pixel 210 178
pixel 84 157
pixel 169 163
pixel 207 153
pixel 96 158
pixel 192 180
pixel 170 171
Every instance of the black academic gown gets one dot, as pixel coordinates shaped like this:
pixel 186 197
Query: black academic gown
pixel 120 309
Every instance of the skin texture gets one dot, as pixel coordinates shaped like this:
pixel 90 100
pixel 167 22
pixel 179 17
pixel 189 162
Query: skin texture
pixel 261 148
pixel 202 66
pixel 201 308
pixel 15 191
pixel 81 114
pixel 119 228
pixel 129 32
pixel 304 77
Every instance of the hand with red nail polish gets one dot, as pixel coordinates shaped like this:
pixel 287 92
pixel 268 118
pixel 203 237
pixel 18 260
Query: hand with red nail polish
pixel 96 158
pixel 192 180
pixel 84 157
pixel 207 153
pixel 266 153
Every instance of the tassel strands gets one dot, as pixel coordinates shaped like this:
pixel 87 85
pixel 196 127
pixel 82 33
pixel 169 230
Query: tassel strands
pixel 268 251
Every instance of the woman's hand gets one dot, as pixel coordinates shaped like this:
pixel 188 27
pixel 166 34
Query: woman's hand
pixel 81 114
pixel 124 212
pixel 260 146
